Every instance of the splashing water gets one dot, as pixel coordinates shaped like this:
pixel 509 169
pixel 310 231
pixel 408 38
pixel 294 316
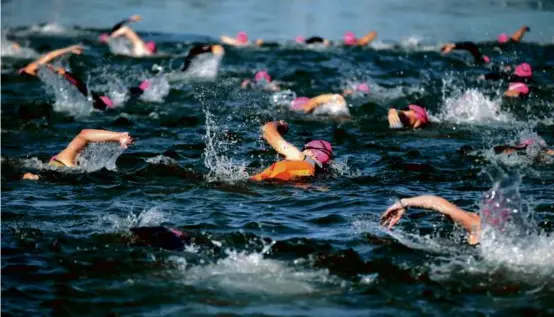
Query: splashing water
pixel 161 160
pixel 472 106
pixel 99 155
pixel 204 67
pixel 157 90
pixel 11 49
pixel 147 217
pixel 120 46
pixel 68 99
pixel 283 98
pixel 222 168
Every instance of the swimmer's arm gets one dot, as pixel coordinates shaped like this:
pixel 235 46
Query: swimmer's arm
pixel 229 40
pixel 129 34
pixel 69 154
pixel 368 38
pixel 320 100
pixel 134 18
pixel 32 68
pixel 467 46
pixel 469 221
pixel 511 93
pixel 519 34
pixel 274 138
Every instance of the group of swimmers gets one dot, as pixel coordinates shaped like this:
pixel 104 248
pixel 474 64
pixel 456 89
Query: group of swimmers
pixel 315 156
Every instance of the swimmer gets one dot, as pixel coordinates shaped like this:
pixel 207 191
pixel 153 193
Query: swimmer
pixel 525 147
pixel 334 102
pixel 67 157
pixel 241 39
pixel 361 88
pixel 350 39
pixel 261 80
pixel 99 102
pixel 471 222
pixel 468 46
pixel 519 80
pixel 313 159
pixel 105 37
pixel 314 40
pixel 414 116
pixel 201 50
pixel 139 48
pixel 515 38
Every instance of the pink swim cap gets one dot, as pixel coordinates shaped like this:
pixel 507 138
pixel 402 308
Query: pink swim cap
pixel 503 38
pixel 420 113
pixel 151 46
pixel 242 37
pixel 321 149
pixel 519 87
pixel 107 101
pixel 349 38
pixel 523 70
pixel 486 59
pixel 262 75
pixel 144 85
pixel 363 87
pixel 104 37
pixel 300 39
pixel 299 102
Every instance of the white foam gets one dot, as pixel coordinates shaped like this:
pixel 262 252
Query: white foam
pixel 204 66
pixel 99 155
pixel 161 160
pixel 147 217
pixel 472 106
pixel 157 90
pixel 68 98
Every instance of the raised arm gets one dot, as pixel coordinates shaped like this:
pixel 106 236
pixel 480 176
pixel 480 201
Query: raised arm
pixel 519 34
pixel 273 137
pixel 68 155
pixel 470 221
pixel 32 68
pixel 368 38
pixel 320 100
pixel 229 40
pixel 134 18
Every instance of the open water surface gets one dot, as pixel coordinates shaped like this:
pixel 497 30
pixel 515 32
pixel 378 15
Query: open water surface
pixel 313 248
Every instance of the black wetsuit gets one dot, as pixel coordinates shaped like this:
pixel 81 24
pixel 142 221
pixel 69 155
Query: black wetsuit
pixel 195 51
pixel 314 40
pixel 472 49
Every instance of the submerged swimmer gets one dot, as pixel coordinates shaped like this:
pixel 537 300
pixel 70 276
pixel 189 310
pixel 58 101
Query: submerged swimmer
pixel 535 147
pixel 313 159
pixel 201 50
pixel 519 80
pixel 515 38
pixel 261 80
pixel 99 102
pixel 241 39
pixel 314 40
pixel 67 157
pixel 467 46
pixel 413 116
pixel 139 48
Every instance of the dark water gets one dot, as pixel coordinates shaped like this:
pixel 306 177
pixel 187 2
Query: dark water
pixel 267 249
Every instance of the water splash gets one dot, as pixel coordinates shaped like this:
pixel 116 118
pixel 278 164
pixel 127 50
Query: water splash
pixel 472 106
pixel 120 46
pixel 99 155
pixel 68 99
pixel 161 160
pixel 283 98
pixel 204 66
pixel 222 167
pixel 12 49
pixel 148 217
pixel 157 90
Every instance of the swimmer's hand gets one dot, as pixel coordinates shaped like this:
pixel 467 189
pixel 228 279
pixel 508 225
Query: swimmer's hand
pixel 394 119
pixel 245 83
pixel 30 176
pixel 392 215
pixel 76 49
pixel 447 48
pixel 125 140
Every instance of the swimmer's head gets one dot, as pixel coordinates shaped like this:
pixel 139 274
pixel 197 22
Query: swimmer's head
pixel 523 70
pixel 319 150
pixel 151 46
pixel 103 38
pixel 521 88
pixel 144 85
pixel 363 87
pixel 420 113
pixel 300 39
pixel 107 101
pixel 349 38
pixel 262 75
pixel 503 38
pixel 242 37
pixel 486 59
pixel 298 103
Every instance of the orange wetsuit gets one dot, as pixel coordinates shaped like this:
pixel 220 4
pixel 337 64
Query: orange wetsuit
pixel 286 171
